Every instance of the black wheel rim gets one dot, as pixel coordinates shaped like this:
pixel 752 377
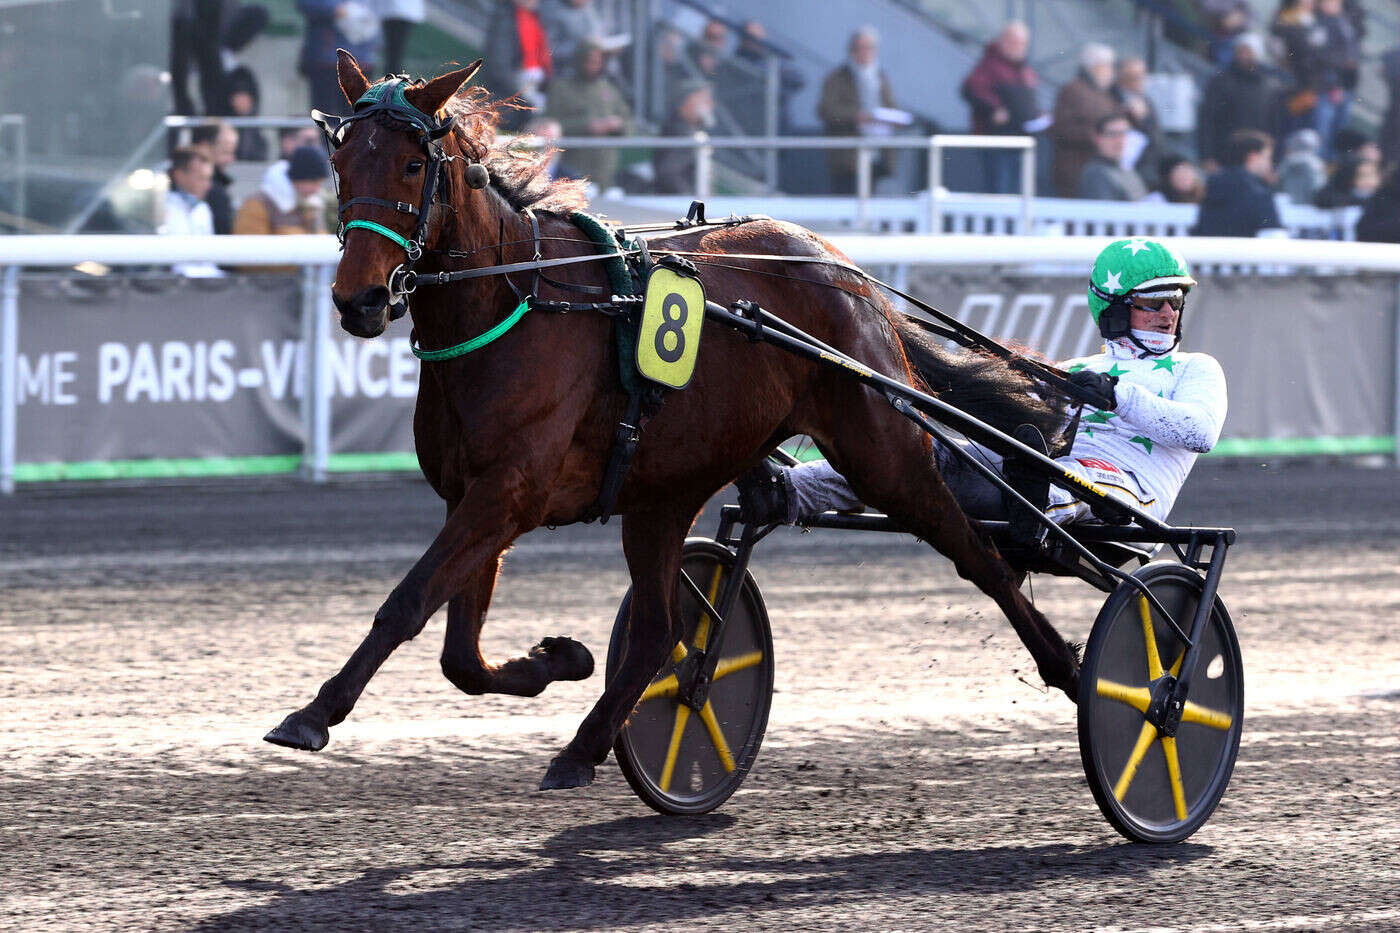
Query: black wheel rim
pixel 1155 788
pixel 680 760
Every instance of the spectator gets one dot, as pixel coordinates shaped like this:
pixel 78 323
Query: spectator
pixel 1241 96
pixel 693 113
pixel 1351 185
pixel 1079 106
pixel 1227 20
pixel 1179 182
pixel 569 23
pixel 289 140
pixel 332 25
pixel 186 213
pixel 1002 91
pixel 245 100
pixel 1302 173
pixel 218 142
pixel 396 20
pixel 1130 90
pixel 1390 124
pixel 588 103
pixel 1296 30
pixel 519 60
pixel 1380 222
pixel 195 28
pixel 271 211
pixel 1339 57
pixel 1103 177
pixel 851 94
pixel 714 39
pixel 1238 199
pixel 744 83
pixel 674 70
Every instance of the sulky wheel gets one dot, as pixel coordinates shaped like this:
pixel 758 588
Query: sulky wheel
pixel 1152 787
pixel 678 759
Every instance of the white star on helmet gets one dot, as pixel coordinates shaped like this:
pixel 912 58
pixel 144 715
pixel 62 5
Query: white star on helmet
pixel 1136 244
pixel 1112 281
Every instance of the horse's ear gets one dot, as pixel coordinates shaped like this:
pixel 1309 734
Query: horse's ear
pixel 352 80
pixel 431 97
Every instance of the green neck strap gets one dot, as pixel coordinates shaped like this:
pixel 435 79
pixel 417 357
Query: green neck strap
pixel 382 231
pixel 476 343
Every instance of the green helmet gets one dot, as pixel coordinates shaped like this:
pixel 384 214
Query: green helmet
pixel 1135 267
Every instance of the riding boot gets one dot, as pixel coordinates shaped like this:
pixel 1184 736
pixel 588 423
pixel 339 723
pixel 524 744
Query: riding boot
pixel 1029 479
pixel 763 494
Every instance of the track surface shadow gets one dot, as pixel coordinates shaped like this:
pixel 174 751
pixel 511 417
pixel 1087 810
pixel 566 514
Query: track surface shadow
pixel 576 886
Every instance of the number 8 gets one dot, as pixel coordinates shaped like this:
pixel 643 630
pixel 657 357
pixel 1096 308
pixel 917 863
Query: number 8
pixel 672 325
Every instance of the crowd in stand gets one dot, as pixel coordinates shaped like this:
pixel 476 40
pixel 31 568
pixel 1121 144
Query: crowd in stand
pixel 1272 119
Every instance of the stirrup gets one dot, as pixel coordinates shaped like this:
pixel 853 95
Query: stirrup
pixel 763 494
pixel 1030 481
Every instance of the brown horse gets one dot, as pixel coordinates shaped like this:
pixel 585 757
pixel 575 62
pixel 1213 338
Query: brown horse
pixel 517 435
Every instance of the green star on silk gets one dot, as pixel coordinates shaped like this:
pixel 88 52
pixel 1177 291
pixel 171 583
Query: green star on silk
pixel 1145 442
pixel 1100 417
pixel 1166 363
pixel 1089 432
pixel 1116 371
pixel 1077 367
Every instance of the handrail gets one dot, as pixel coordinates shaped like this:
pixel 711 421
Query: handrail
pixel 56 251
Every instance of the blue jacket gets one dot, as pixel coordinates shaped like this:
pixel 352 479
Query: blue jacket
pixel 1237 203
pixel 322 37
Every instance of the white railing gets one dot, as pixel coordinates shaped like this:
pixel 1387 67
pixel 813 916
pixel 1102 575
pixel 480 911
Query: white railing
pixel 990 214
pixel 318 254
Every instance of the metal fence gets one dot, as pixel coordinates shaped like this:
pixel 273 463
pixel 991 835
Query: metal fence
pixel 1025 256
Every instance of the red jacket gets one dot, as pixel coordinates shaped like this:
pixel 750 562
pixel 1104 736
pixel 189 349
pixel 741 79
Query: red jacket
pixel 996 82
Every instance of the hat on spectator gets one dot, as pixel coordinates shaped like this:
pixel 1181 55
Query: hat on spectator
pixel 307 164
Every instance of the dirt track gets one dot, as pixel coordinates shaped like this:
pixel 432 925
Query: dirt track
pixel 910 780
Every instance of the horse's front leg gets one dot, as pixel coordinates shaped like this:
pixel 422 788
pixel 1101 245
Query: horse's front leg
pixel 492 514
pixel 554 658
pixel 652 543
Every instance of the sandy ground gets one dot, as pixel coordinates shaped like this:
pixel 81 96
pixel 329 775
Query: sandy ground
pixel 913 776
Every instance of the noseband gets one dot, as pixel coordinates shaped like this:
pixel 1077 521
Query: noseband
pixel 388 97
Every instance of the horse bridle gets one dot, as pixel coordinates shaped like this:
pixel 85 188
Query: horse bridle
pixel 388 98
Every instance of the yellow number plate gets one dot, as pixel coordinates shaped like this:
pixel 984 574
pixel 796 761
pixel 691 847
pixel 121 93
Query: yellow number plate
pixel 668 342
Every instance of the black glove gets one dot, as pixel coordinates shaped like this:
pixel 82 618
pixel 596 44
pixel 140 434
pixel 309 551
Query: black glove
pixel 1098 386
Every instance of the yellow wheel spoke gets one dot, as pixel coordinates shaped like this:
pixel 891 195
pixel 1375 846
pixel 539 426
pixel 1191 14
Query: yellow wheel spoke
pixel 665 687
pixel 735 664
pixel 1205 717
pixel 678 653
pixel 668 768
pixel 1174 772
pixel 1145 739
pixel 1176 667
pixel 707 716
pixel 702 631
pixel 1154 663
pixel 1136 697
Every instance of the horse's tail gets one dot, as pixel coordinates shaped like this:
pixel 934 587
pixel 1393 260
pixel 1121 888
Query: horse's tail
pixel 983 385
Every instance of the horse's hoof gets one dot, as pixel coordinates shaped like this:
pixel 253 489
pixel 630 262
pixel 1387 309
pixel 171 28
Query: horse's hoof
pixel 566 658
pixel 567 772
pixel 300 731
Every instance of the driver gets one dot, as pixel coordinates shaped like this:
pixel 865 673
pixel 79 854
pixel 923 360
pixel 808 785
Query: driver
pixel 1158 409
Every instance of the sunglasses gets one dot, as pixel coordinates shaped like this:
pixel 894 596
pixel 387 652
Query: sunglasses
pixel 1157 305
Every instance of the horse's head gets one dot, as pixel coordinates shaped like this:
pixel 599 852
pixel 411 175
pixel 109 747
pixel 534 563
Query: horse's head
pixel 391 162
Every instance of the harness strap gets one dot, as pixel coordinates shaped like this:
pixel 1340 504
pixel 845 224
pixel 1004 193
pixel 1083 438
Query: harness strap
pixel 476 343
pixel 402 207
pixel 408 245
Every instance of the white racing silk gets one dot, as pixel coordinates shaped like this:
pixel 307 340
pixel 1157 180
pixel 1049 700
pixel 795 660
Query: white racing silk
pixel 1170 410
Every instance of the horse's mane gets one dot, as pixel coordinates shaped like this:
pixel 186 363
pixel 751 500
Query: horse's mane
pixel 517 173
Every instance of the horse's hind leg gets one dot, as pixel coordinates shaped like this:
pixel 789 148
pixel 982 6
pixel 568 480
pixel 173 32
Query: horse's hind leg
pixel 652 543
pixel 890 466
pixel 555 658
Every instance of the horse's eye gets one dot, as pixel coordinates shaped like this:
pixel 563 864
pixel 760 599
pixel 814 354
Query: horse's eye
pixel 413 168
